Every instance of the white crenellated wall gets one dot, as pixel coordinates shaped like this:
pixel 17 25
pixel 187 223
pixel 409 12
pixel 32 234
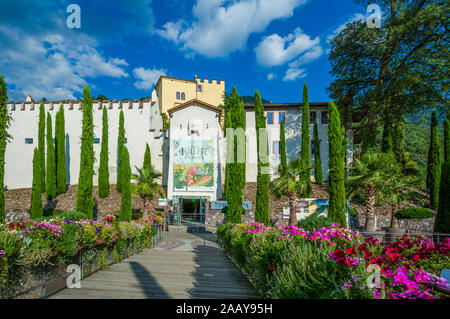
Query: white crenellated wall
pixel 143 124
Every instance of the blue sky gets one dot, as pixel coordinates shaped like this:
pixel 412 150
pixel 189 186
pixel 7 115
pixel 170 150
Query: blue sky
pixel 123 47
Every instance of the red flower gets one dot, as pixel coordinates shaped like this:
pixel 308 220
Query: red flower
pixel 338 253
pixel 395 257
pixel 363 247
pixel 340 261
pixel 368 254
pixel 351 251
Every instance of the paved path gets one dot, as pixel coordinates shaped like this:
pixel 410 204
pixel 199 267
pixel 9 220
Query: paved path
pixel 181 265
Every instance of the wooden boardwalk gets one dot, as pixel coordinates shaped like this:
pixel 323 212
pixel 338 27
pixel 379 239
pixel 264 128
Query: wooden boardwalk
pixel 181 265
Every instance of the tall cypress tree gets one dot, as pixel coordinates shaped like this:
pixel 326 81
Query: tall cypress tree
pixel 147 158
pixel 305 155
pixel 317 160
pixel 50 186
pixel 85 201
pixel 120 144
pixel 125 204
pixel 442 221
pixel 229 148
pixel 337 206
pixel 103 171
pixel 4 124
pixel 60 137
pixel 447 138
pixel 434 163
pixel 235 171
pixel 283 163
pixel 41 144
pixel 36 209
pixel 262 214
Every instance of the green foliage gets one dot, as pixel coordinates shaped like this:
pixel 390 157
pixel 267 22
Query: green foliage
pixel 337 208
pixel 262 214
pixel 434 163
pixel 353 212
pixel 125 204
pixel 4 136
pixel 85 201
pixel 235 167
pixel 146 185
pixel 70 237
pixel 414 213
pixel 36 201
pixel 314 221
pixel 103 171
pixel 306 272
pixel 166 121
pixel 120 145
pixel 283 161
pixel 50 187
pixel 60 142
pixel 442 222
pixel 447 138
pixel 305 153
pixel 41 144
pixel 317 161
pixel 147 157
pixel 73 215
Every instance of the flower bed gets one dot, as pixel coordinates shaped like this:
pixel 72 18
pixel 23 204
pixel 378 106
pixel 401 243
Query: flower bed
pixel 34 251
pixel 334 262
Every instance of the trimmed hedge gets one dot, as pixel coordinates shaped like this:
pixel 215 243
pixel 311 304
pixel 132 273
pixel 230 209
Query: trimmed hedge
pixel 314 222
pixel 414 213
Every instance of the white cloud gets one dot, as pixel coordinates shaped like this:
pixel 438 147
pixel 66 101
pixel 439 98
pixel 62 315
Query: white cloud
pixel 50 66
pixel 270 76
pixel 355 17
pixel 221 27
pixel 274 50
pixel 146 77
pixel 293 74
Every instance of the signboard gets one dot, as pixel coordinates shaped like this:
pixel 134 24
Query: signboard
pixel 218 204
pixel 286 212
pixel 162 202
pixel 223 203
pixel 193 165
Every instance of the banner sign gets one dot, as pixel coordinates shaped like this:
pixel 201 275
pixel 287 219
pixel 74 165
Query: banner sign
pixel 162 202
pixel 193 165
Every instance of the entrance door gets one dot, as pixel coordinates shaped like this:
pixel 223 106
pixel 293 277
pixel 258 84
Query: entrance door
pixel 191 210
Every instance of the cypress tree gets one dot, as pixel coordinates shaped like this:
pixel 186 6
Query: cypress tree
pixel 85 201
pixel 398 146
pixel 60 137
pixel 434 163
pixel 36 209
pixel 305 155
pixel 41 144
pixel 235 170
pixel 447 138
pixel 262 214
pixel 125 204
pixel 228 165
pixel 337 206
pixel 147 158
pixel 50 186
pixel 120 144
pixel 442 221
pixel 283 165
pixel 4 124
pixel 103 171
pixel 317 160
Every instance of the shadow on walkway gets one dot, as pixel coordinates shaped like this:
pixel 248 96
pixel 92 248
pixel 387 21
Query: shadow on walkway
pixel 147 282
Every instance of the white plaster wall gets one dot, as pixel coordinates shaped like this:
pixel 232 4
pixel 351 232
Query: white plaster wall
pixel 24 124
pixel 179 129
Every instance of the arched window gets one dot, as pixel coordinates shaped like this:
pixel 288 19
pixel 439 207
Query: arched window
pixel 178 95
pixel 183 96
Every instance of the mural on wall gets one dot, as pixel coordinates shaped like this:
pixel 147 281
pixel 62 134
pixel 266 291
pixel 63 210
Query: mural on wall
pixel 193 165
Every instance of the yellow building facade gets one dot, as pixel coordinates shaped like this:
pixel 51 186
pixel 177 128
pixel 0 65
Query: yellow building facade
pixel 173 91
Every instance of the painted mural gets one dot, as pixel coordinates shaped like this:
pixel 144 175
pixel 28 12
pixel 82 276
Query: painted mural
pixel 193 165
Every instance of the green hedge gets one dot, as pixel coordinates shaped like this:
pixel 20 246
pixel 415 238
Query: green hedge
pixel 313 222
pixel 414 213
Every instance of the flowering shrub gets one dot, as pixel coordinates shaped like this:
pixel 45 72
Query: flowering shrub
pixel 333 262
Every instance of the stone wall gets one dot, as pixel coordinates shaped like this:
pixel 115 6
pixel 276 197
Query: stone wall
pixel 411 225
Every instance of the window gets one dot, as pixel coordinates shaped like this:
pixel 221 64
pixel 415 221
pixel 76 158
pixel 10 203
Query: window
pixel 183 97
pixel 126 140
pixel 312 117
pixel 325 117
pixel 178 95
pixel 281 117
pixel 276 148
pixel 269 117
pixel 28 141
pixel 312 146
pixel 199 88
pixel 96 141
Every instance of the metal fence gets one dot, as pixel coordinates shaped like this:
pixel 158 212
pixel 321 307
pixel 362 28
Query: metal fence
pixel 389 237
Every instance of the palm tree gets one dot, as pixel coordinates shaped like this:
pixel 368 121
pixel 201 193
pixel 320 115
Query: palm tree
pixel 371 174
pixel 290 184
pixel 146 186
